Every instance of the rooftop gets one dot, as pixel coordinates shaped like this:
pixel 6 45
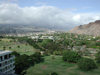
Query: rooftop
pixel 4 52
pixel 5 74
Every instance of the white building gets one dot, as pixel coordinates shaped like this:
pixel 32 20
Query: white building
pixel 35 37
pixel 6 62
pixel 47 37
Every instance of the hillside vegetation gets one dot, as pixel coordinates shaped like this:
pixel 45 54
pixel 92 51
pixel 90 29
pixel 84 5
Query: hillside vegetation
pixel 61 55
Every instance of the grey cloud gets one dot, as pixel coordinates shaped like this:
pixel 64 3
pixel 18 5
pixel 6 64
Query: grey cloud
pixel 43 16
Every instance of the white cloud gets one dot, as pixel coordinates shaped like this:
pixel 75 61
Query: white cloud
pixel 76 17
pixel 43 16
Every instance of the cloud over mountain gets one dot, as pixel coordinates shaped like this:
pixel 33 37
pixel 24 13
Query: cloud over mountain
pixel 43 16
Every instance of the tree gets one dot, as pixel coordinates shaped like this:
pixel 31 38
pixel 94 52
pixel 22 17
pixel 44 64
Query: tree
pixel 71 56
pixel 4 48
pixel 18 46
pixel 97 57
pixel 49 45
pixel 37 57
pixel 9 47
pixel 15 54
pixel 32 43
pixel 1 37
pixel 97 43
pixel 22 63
pixel 53 73
pixel 86 64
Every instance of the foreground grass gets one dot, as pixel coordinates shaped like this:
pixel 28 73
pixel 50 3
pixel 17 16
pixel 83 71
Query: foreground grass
pixel 23 49
pixel 57 65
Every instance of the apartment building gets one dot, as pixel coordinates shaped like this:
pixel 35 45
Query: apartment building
pixel 6 62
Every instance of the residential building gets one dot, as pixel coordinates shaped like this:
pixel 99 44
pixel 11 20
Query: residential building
pixel 6 62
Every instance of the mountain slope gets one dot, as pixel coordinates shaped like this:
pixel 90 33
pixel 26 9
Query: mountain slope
pixel 19 29
pixel 92 28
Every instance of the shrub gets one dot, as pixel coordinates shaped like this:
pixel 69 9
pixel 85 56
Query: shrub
pixel 9 47
pixel 37 57
pixel 18 46
pixel 53 73
pixel 71 56
pixel 4 48
pixel 97 57
pixel 57 52
pixel 15 53
pixel 86 64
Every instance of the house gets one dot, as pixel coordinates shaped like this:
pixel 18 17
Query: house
pixel 6 62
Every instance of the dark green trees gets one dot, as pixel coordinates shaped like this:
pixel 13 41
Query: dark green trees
pixel 37 57
pixel 98 57
pixel 71 56
pixel 23 62
pixel 53 73
pixel 86 64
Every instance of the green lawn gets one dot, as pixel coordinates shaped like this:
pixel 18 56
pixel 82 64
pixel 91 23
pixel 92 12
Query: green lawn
pixel 59 66
pixel 24 48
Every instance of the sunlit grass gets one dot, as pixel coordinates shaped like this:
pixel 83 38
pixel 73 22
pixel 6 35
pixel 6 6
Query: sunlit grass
pixel 13 46
pixel 58 65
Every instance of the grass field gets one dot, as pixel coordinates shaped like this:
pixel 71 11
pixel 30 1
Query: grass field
pixel 59 66
pixel 23 49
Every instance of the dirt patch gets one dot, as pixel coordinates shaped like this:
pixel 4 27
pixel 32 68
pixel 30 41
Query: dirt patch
pixel 44 67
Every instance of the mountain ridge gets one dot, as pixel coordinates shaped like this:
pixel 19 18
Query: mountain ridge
pixel 93 28
pixel 19 29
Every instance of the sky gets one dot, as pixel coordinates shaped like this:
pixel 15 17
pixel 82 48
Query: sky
pixel 59 13
pixel 80 5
